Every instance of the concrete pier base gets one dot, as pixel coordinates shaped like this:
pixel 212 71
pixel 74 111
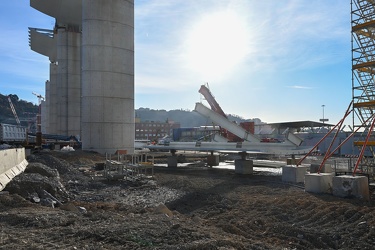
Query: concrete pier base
pixel 351 186
pixel 243 166
pixel 292 161
pixel 213 160
pixel 325 169
pixel 318 183
pixel 172 161
pixel 294 174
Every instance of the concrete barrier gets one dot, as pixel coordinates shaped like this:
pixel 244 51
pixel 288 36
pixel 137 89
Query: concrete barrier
pixel 12 163
pixel 348 186
pixel 294 174
pixel 319 183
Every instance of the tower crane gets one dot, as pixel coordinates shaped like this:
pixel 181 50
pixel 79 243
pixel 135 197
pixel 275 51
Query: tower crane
pixel 14 111
pixel 39 122
pixel 40 98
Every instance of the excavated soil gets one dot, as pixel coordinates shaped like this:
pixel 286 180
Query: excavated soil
pixel 63 202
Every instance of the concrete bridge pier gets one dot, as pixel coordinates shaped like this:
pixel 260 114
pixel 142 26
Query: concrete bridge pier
pixel 242 166
pixel 172 161
pixel 107 121
pixel 213 160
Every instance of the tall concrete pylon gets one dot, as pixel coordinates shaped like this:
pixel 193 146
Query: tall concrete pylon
pixel 107 70
pixel 52 97
pixel 42 41
pixel 68 80
pixel 108 75
pixel 64 98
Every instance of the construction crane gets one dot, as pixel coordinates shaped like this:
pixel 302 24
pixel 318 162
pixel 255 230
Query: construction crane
pixel 39 122
pixel 14 111
pixel 40 98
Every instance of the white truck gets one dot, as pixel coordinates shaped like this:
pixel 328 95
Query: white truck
pixel 10 133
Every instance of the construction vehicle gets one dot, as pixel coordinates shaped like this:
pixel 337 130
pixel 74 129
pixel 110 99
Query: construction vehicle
pixel 13 134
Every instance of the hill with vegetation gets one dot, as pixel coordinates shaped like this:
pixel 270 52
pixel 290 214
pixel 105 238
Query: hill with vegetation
pixel 25 110
pixel 28 111
pixel 186 118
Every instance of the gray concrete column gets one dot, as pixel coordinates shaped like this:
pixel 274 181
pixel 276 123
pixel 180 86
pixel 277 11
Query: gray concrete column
pixel 52 108
pixel 108 75
pixel 68 81
pixel 45 109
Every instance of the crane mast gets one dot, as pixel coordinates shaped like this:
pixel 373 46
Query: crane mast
pixel 39 122
pixel 14 111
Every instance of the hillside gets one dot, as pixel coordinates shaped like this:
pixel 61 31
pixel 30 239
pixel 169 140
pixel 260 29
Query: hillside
pixel 25 110
pixel 186 118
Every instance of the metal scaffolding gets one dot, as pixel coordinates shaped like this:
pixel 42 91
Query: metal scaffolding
pixel 363 71
pixel 362 105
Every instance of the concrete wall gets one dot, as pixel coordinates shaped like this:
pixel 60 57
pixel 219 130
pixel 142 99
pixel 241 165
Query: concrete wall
pixel 45 107
pixel 12 163
pixel 52 100
pixel 68 82
pixel 108 75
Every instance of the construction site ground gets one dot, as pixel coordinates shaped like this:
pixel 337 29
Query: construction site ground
pixel 62 201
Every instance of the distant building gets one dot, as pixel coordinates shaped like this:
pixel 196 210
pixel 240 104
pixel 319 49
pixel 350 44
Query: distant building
pixel 154 130
pixel 205 133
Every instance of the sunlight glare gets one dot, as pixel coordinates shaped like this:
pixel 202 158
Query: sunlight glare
pixel 217 44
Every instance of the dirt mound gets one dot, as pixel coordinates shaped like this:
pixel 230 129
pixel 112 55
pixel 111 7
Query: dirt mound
pixel 180 208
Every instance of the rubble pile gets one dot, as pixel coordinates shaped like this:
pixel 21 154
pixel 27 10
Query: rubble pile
pixel 62 201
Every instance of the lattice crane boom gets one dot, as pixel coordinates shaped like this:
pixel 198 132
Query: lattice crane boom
pixel 14 111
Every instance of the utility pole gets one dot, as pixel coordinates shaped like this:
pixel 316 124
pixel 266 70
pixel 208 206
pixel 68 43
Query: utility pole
pixel 323 120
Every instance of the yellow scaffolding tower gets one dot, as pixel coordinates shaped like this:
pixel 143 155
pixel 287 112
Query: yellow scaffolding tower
pixel 363 71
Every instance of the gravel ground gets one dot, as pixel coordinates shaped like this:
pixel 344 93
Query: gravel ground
pixel 63 202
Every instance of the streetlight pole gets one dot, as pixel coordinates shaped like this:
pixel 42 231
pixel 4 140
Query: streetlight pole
pixel 323 120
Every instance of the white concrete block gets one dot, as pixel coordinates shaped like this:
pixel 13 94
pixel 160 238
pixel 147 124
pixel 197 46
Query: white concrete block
pixel 318 183
pixel 243 166
pixel 349 186
pixel 294 174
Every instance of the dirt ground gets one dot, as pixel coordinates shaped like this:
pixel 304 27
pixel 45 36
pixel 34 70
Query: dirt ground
pixel 62 202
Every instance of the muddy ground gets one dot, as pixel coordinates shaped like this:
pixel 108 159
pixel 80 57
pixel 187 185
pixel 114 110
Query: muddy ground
pixel 62 202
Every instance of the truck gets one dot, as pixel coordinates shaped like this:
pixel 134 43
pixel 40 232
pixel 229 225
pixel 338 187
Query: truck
pixel 12 134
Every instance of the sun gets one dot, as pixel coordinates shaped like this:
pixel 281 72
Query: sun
pixel 217 43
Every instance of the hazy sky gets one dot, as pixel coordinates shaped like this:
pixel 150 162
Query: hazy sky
pixel 273 60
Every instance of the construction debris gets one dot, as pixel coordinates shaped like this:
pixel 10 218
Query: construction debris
pixel 190 207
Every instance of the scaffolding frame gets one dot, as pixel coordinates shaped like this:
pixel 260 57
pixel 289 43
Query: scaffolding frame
pixel 363 72
pixel 362 106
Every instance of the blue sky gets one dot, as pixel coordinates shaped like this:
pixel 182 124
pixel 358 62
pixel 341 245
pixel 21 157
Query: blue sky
pixel 274 60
